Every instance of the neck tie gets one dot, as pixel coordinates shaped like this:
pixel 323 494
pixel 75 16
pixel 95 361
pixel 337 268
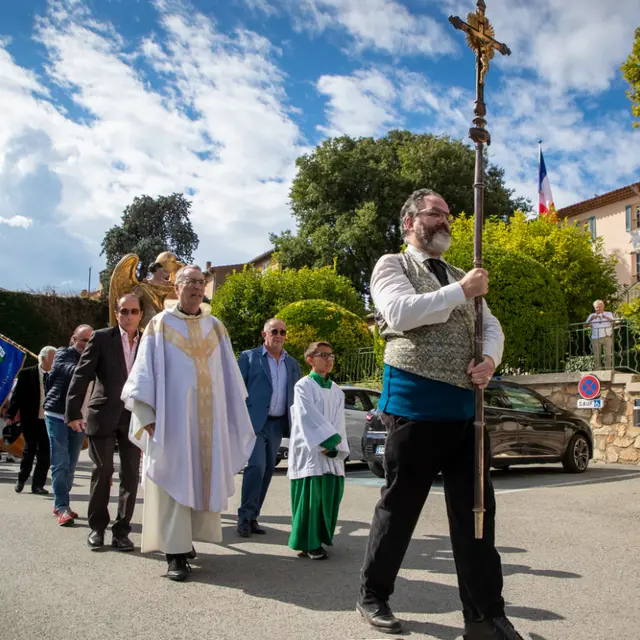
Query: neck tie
pixel 438 269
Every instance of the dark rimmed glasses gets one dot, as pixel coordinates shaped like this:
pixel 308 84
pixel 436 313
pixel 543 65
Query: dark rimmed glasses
pixel 330 357
pixel 275 332
pixel 126 312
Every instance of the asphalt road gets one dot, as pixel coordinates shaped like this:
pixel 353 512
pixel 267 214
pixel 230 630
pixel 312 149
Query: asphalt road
pixel 569 546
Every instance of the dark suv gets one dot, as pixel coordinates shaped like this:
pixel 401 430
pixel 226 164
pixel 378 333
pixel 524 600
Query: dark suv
pixel 524 428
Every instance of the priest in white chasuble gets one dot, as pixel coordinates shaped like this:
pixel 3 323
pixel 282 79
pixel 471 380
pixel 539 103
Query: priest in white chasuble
pixel 190 418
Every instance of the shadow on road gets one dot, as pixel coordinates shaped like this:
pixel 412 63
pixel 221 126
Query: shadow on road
pixel 333 585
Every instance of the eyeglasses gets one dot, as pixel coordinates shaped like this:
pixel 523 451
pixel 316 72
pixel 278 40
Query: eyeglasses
pixel 192 282
pixel 126 312
pixel 83 340
pixel 434 214
pixel 326 356
pixel 282 332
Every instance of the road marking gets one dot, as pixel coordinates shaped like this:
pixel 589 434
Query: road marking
pixel 572 484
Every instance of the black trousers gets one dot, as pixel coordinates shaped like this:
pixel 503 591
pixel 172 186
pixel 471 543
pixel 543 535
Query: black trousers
pixel 414 454
pixel 36 446
pixel 101 450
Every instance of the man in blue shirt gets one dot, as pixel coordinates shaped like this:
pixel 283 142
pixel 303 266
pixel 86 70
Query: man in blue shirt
pixel 270 374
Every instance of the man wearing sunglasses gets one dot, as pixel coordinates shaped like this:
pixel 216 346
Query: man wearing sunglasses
pixel 270 374
pixel 66 443
pixel 108 359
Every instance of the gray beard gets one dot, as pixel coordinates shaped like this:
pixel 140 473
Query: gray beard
pixel 439 242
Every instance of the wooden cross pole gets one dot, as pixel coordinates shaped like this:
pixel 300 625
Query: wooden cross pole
pixel 480 38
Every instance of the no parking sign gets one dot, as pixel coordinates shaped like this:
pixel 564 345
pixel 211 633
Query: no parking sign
pixel 589 390
pixel 589 387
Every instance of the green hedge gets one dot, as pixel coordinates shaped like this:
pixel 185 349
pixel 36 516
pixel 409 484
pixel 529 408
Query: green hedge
pixel 40 319
pixel 526 299
pixel 314 320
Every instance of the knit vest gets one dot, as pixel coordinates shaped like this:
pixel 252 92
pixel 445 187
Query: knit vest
pixel 439 351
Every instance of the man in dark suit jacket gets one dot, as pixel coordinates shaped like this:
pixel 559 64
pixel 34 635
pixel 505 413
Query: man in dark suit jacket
pixel 270 374
pixel 108 358
pixel 26 402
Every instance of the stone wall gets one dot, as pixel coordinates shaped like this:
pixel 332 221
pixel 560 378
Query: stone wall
pixel 615 437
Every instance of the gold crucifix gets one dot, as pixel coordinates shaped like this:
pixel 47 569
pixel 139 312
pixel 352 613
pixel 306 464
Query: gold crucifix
pixel 480 37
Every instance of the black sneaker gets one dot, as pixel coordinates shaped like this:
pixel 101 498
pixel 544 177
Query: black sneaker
pixel 178 567
pixel 40 491
pixel 19 486
pixel 317 554
pixel 493 629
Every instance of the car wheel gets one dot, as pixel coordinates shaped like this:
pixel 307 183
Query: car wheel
pixel 376 468
pixel 576 457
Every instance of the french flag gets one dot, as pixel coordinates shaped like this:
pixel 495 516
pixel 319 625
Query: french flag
pixel 545 199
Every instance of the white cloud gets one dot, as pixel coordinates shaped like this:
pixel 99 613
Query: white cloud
pixel 220 127
pixel 358 105
pixel 583 156
pixel 383 25
pixel 573 44
pixel 17 221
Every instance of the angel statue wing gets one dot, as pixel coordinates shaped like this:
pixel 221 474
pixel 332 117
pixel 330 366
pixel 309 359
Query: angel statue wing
pixel 123 280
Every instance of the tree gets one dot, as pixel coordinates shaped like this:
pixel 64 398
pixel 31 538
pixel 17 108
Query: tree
pixel 348 193
pixel 249 298
pixel 579 266
pixel 631 73
pixel 315 320
pixel 149 227
pixel 527 300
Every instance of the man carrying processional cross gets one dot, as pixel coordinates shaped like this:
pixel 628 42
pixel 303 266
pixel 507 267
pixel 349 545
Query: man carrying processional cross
pixel 190 418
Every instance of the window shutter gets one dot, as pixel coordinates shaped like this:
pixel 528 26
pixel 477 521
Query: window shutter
pixel 592 227
pixel 627 216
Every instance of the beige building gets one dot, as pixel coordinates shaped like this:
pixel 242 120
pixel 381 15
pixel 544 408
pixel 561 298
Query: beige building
pixel 217 275
pixel 615 216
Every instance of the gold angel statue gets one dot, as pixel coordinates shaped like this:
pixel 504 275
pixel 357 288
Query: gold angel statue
pixel 153 292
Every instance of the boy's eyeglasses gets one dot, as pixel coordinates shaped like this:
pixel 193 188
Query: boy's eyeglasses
pixel 326 356
pixel 282 332
pixel 126 312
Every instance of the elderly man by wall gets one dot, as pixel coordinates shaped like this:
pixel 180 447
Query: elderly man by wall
pixel 26 401
pixel 601 323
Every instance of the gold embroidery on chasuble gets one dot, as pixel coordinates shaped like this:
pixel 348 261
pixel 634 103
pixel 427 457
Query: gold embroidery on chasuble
pixel 200 349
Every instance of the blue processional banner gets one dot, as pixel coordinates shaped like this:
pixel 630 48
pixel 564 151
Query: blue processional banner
pixel 11 360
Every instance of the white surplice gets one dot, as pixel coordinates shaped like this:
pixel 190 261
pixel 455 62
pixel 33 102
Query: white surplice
pixel 186 380
pixel 316 415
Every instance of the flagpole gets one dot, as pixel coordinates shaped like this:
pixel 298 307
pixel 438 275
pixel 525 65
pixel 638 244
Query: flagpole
pixel 17 346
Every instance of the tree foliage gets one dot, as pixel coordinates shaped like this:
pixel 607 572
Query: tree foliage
pixel 313 320
pixel 149 227
pixel 631 73
pixel 580 267
pixel 35 320
pixel 348 193
pixel 247 299
pixel 525 297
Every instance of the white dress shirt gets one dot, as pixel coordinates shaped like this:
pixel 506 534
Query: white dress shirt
pixel 404 309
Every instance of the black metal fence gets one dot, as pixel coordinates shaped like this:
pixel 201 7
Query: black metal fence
pixel 562 348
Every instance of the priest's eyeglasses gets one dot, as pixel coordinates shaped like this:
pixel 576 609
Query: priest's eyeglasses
pixel 326 356
pixel 193 282
pixel 434 214
pixel 282 332
pixel 126 312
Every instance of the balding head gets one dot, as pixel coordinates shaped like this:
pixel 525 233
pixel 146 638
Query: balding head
pixel 81 336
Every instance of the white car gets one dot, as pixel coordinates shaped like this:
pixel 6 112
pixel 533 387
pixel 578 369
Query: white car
pixel 358 401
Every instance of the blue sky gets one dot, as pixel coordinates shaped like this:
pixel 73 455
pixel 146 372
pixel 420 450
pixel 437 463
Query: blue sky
pixel 103 100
